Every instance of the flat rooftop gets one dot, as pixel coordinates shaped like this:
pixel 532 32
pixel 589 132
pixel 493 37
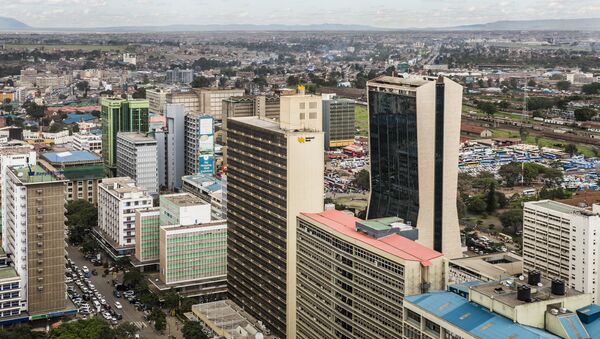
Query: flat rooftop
pixel 555 206
pixel 72 157
pixel 262 123
pixel 507 295
pixel 228 316
pixel 123 185
pixel 410 81
pixel 194 227
pixel 37 175
pixel 14 150
pixel 494 266
pixel 8 272
pixel 204 181
pixel 381 223
pixel 393 244
pixel 135 137
pixel 183 199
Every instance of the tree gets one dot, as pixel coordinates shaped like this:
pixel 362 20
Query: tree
pixel 510 173
pixel 487 107
pixel 160 324
pixel 159 318
pixel 139 94
pixel 512 220
pixel 201 81
pixel 171 300
pixel 476 205
pixel 20 332
pixel 491 199
pixel 590 89
pixel 293 81
pixel 34 110
pixel 362 180
pixel 531 83
pixel 523 133
pixel 193 330
pixel 133 278
pixel 81 217
pixel 83 86
pixel 126 330
pixel 571 149
pixel 563 85
pixel 585 114
pixel 56 127
pixel 552 177
pixel 93 328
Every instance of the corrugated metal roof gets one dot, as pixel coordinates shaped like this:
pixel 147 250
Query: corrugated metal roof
pixel 69 157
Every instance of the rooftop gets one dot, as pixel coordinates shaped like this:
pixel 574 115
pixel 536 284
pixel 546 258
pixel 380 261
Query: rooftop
pixel 183 199
pixel 121 185
pixel 554 206
pixel 35 175
pixel 204 181
pixel 393 244
pixel 409 81
pixel 73 157
pixel 8 272
pixel 473 318
pixel 14 150
pixel 135 137
pixel 493 266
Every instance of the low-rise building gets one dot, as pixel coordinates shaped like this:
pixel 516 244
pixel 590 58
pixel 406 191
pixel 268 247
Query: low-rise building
pixel 137 158
pixel 87 142
pixel 488 267
pixel 209 188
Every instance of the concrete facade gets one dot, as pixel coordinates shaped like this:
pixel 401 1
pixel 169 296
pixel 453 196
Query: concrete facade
pixel 175 145
pixel 137 158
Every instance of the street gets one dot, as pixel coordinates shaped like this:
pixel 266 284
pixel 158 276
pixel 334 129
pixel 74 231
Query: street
pixel 130 314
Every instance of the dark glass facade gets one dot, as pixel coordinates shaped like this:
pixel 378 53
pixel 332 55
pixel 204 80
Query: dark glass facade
pixel 257 216
pixel 394 156
pixel 439 168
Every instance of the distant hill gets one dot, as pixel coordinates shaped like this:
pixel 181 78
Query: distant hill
pixel 10 23
pixel 590 24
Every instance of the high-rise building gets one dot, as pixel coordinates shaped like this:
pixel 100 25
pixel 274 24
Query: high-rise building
pixel 33 235
pixel 275 171
pixel 157 98
pixel 339 121
pixel 559 241
pixel 353 275
pixel 118 199
pixel 211 100
pixel 199 144
pixel 188 99
pixel 183 209
pixel 251 105
pixel 137 159
pixel 176 75
pixel 119 115
pixel 82 170
pixel 414 130
pixel 15 155
pixel 175 145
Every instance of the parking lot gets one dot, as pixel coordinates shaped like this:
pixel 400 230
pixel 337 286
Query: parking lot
pixel 105 290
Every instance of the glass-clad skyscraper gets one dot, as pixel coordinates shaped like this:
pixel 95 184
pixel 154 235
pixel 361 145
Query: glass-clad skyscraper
pixel 414 129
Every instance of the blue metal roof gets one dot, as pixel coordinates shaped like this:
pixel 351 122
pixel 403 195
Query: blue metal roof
pixel 593 327
pixel 473 318
pixel 207 182
pixel 73 118
pixel 69 157
pixel 573 326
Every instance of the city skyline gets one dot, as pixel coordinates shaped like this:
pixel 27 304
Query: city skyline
pixel 383 14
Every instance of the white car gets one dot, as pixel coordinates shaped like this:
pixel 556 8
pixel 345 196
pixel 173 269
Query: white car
pixel 106 315
pixel 118 305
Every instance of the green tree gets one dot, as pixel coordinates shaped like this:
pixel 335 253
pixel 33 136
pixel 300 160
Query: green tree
pixel 491 199
pixel 139 94
pixel 476 205
pixel 126 330
pixel 201 81
pixel 171 300
pixel 133 278
pixel 487 107
pixel 83 86
pixel 531 83
pixel 512 220
pixel 563 85
pixel 81 217
pixel 591 89
pixel 20 332
pixel 93 328
pixel 34 110
pixel 193 330
pixel 585 114
pixel 362 180
pixel 571 149
pixel 510 173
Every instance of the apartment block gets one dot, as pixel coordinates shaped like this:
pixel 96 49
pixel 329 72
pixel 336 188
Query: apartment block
pixel 118 199
pixel 560 241
pixel 137 158
pixel 339 121
pixel 87 142
pixel 33 236
pixel 199 144
pixel 188 99
pixel 353 275
pixel 157 98
pixel 275 171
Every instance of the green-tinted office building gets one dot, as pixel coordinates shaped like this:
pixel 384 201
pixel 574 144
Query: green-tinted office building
pixel 147 225
pixel 120 115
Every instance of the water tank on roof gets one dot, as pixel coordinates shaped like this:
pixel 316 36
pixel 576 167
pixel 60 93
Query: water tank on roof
pixel 558 287
pixel 524 293
pixel 534 278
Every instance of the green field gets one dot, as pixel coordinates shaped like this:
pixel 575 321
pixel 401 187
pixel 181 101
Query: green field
pixel 362 120
pixel 103 48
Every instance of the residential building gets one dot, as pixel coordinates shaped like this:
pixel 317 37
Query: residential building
pixel 87 142
pixel 82 170
pixel 559 241
pixel 199 144
pixel 175 145
pixel 414 131
pixel 176 75
pixel 15 154
pixel 33 236
pixel 211 100
pixel 157 98
pixel 147 225
pixel 275 171
pixel 510 308
pixel 353 275
pixel 119 115
pixel 137 159
pixel 339 121
pixel 129 58
pixel 12 296
pixel 118 199
pixel 189 99
pixel 183 209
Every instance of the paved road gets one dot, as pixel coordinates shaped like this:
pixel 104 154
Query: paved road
pixel 105 287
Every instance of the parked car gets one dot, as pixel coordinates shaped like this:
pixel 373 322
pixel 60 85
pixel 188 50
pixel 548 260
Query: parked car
pixel 118 305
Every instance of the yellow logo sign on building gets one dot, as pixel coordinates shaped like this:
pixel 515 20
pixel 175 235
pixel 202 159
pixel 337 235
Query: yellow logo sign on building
pixel 301 140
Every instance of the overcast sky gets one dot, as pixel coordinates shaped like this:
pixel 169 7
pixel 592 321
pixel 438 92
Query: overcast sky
pixel 380 13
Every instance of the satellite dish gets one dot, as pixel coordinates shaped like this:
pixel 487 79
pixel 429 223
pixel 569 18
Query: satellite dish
pixel 521 278
pixel 540 285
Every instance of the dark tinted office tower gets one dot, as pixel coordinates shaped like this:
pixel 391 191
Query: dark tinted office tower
pixel 339 116
pixel 275 171
pixel 414 130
